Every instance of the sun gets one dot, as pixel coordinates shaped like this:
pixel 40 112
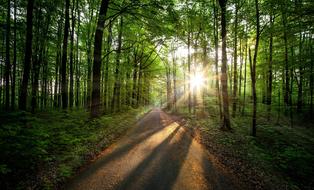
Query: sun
pixel 197 80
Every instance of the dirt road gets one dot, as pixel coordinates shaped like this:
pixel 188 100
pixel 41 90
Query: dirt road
pixel 157 153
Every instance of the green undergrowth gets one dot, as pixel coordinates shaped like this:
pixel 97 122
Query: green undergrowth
pixel 280 157
pixel 40 151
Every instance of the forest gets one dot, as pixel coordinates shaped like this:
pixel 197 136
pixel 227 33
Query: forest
pixel 78 77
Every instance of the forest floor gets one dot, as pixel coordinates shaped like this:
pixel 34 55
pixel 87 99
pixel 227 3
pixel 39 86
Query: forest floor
pixel 42 150
pixel 280 157
pixel 158 153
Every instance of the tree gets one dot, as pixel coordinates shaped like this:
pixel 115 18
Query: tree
pixel 224 77
pixel 28 55
pixel 64 81
pixel 7 58
pixel 95 108
pixel 115 105
pixel 253 69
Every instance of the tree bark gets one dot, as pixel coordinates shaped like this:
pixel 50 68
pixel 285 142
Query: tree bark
pixel 287 78
pixel 77 101
pixel 7 58
pixel 37 62
pixel 71 94
pixel 235 63
pixel 64 82
pixel 224 78
pixel 115 105
pixel 189 72
pixel 245 67
pixel 270 68
pixel 216 58
pixel 174 73
pixel 253 70
pixel 95 107
pixel 108 49
pixel 28 55
pixel 14 61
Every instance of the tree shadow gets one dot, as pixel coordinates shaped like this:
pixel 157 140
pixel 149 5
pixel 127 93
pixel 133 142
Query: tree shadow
pixel 161 168
pixel 216 178
pixel 146 127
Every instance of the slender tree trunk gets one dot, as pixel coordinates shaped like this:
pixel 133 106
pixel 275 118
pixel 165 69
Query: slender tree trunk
pixel 108 49
pixel 287 78
pixel 95 108
pixel 311 79
pixel 7 58
pixel 168 78
pixel 28 55
pixel 300 83
pixel 270 68
pixel 14 61
pixel 57 67
pixel 253 70
pixel 189 73
pixel 115 105
pixel 71 94
pixel 245 67
pixel 240 76
pixel 77 101
pixel 64 82
pixel 174 73
pixel 1 70
pixel 224 77
pixel 139 84
pixel 134 84
pixel 235 63
pixel 216 58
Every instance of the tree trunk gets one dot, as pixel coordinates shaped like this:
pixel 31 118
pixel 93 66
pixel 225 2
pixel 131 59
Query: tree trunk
pixel 64 82
pixel 235 63
pixel 245 67
pixel 57 67
pixel 37 61
pixel 216 58
pixel 7 59
pixel 224 78
pixel 287 78
pixel 311 80
pixel 77 101
pixel 253 70
pixel 300 83
pixel 270 68
pixel 108 49
pixel 189 72
pixel 71 94
pixel 134 84
pixel 115 105
pixel 14 61
pixel 95 107
pixel 28 55
pixel 240 75
pixel 174 82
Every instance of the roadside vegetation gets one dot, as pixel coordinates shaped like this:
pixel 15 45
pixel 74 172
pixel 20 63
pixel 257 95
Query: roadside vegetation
pixel 280 157
pixel 42 150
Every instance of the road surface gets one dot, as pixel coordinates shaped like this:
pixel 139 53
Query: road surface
pixel 157 154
